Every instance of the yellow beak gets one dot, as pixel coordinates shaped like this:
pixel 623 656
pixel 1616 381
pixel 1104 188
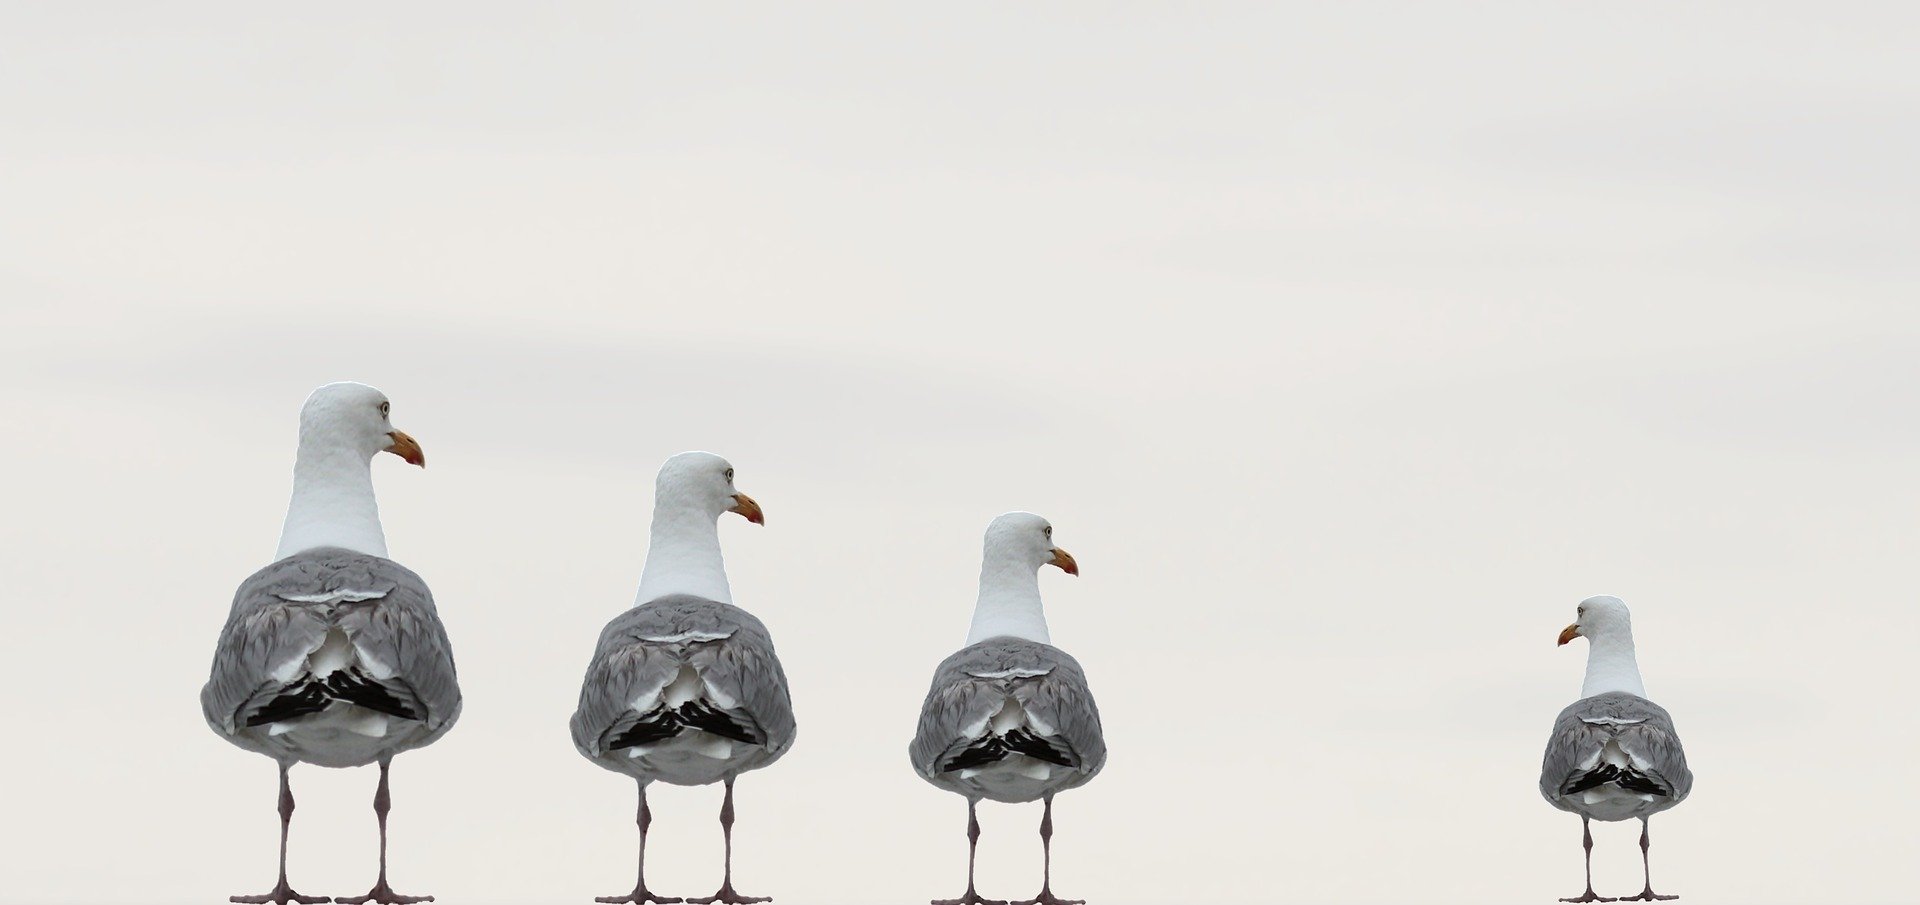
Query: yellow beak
pixel 745 505
pixel 1064 560
pixel 1569 633
pixel 406 448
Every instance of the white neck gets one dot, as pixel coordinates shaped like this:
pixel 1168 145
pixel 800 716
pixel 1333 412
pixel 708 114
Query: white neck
pixel 332 503
pixel 683 556
pixel 1611 665
pixel 1009 602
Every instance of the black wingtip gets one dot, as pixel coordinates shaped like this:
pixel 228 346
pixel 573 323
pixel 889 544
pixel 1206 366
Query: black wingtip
pixel 1037 748
pixel 986 751
pixel 308 698
pixel 350 686
pixel 657 726
pixel 707 719
pixel 1628 779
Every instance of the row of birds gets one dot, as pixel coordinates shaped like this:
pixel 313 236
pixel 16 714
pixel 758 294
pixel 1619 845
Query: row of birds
pixel 334 655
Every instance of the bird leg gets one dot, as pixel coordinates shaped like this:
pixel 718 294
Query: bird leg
pixel 1046 896
pixel 282 894
pixel 381 892
pixel 1646 893
pixel 1586 840
pixel 973 846
pixel 640 894
pixel 726 895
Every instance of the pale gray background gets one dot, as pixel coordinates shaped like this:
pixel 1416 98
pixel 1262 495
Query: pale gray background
pixel 1348 346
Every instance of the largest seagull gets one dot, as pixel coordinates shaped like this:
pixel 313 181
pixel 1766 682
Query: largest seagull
pixel 333 655
pixel 1613 754
pixel 684 688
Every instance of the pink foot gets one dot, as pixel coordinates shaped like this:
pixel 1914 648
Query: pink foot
pixel 1046 897
pixel 727 896
pixel 640 896
pixel 384 895
pixel 281 895
pixel 971 898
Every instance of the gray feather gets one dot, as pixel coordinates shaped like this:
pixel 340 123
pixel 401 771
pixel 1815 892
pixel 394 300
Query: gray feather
pixel 973 683
pixel 1642 728
pixel 635 657
pixel 283 613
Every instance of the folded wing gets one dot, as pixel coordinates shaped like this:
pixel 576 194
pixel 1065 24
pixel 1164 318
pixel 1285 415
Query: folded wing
pixel 680 663
pixel 1614 741
pixel 326 628
pixel 1004 697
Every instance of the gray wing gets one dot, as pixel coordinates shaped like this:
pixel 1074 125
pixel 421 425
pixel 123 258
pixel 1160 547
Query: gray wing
pixel 282 613
pixel 402 631
pixel 972 685
pixel 643 649
pixel 265 634
pixel 1643 729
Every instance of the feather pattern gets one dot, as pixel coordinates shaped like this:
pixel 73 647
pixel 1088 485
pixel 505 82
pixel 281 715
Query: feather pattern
pixel 276 681
pixel 1001 715
pixel 716 656
pixel 1614 756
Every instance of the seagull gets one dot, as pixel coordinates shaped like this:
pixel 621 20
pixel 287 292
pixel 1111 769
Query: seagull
pixel 333 654
pixel 685 688
pixel 1613 754
pixel 1009 716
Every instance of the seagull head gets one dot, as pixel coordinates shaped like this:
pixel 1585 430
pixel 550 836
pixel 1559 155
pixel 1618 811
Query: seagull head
pixel 1025 537
pixel 704 481
pixel 357 417
pixel 1597 616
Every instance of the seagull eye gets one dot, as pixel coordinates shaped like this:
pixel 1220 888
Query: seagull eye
pixel 385 407
pixel 729 474
pixel 1048 531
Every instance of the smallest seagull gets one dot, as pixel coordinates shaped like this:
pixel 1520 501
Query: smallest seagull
pixel 1613 754
pixel 1009 716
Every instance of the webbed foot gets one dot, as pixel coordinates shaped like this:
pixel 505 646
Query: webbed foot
pixel 281 895
pixel 384 895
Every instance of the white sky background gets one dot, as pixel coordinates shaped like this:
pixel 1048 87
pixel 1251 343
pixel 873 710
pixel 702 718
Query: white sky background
pixel 1347 347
